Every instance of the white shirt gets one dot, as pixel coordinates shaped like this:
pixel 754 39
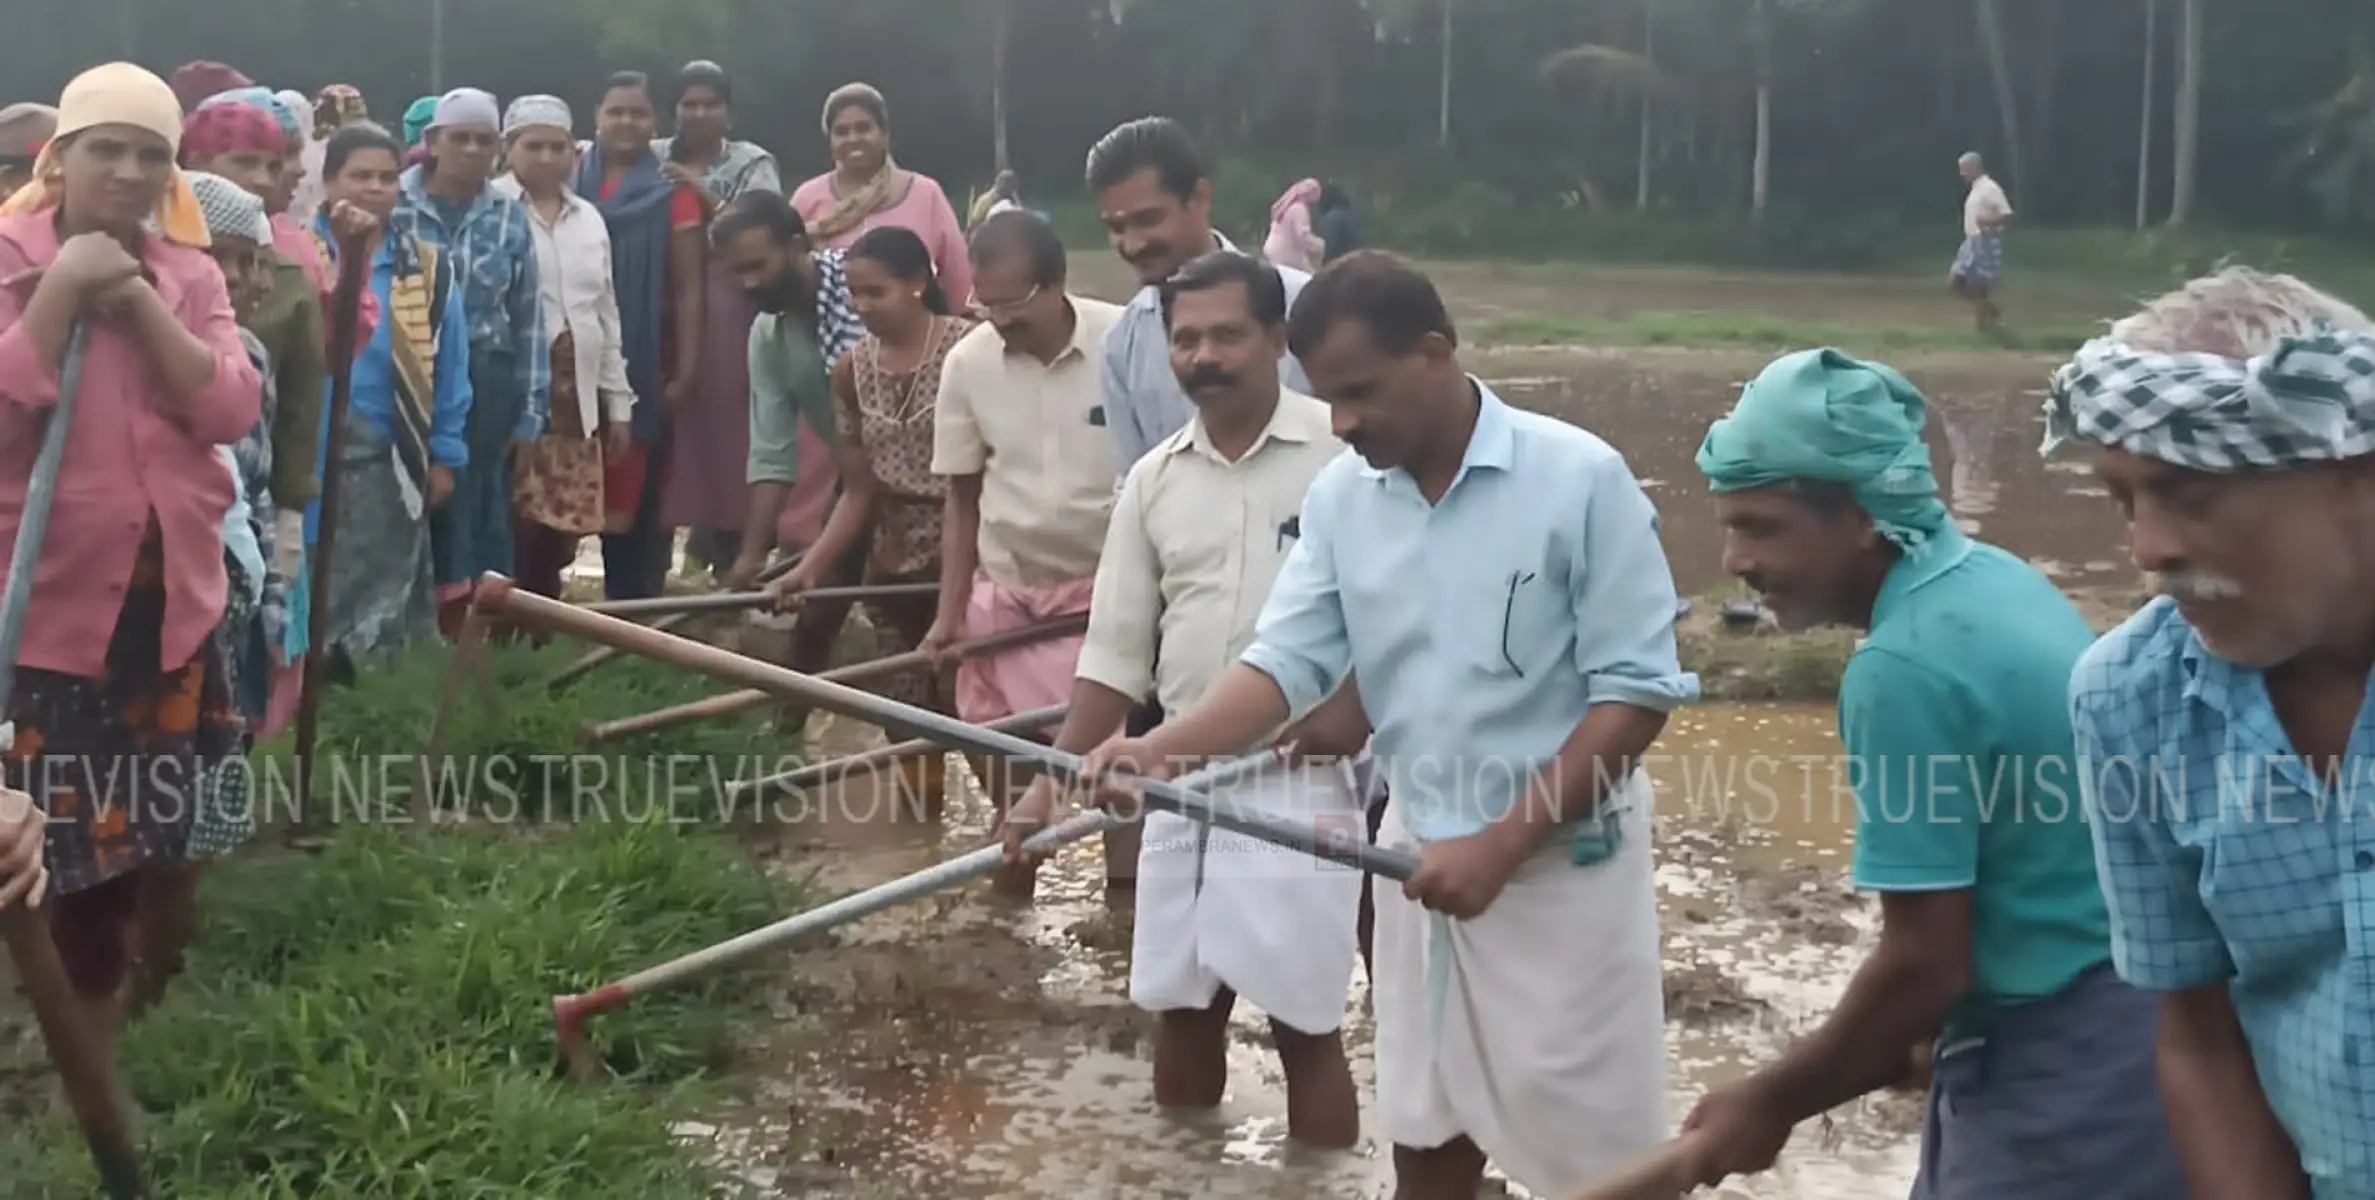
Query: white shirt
pixel 573 277
pixel 1035 433
pixel 1195 543
pixel 1986 202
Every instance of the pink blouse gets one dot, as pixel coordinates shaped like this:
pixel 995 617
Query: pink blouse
pixel 133 451
pixel 923 211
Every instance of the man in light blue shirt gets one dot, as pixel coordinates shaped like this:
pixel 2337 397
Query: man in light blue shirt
pixel 2226 732
pixel 1494 578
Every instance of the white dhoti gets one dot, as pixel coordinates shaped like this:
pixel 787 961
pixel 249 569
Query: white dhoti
pixel 1219 909
pixel 1546 1044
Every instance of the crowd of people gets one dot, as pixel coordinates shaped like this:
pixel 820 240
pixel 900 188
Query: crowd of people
pixel 1459 636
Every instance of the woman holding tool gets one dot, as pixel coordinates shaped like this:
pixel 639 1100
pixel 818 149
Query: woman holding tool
pixel 886 526
pixel 118 662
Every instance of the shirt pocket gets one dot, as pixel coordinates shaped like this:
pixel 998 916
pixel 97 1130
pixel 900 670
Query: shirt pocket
pixel 1513 620
pixel 2271 876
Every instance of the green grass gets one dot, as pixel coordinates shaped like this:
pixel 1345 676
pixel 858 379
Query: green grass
pixel 373 1020
pixel 1749 330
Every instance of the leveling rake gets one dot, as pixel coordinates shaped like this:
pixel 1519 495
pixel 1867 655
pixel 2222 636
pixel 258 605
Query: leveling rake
pixel 497 592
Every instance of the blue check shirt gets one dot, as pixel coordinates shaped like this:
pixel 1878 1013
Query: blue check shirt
pixel 494 264
pixel 2224 860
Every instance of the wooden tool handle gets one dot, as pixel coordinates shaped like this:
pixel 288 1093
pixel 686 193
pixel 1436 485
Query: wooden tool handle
pixel 1656 1177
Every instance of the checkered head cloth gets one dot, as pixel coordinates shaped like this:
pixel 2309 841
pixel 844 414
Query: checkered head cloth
pixel 2312 399
pixel 230 210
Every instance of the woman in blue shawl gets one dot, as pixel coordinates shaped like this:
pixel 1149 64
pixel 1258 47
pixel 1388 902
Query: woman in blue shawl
pixel 657 260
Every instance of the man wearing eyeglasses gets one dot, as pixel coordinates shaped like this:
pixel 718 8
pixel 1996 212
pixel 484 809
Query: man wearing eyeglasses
pixel 1020 433
pixel 1495 579
pixel 24 129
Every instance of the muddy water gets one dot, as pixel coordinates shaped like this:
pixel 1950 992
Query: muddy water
pixel 973 1048
pixel 1985 427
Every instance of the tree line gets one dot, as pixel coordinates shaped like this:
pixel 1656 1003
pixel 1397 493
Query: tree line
pixel 2253 114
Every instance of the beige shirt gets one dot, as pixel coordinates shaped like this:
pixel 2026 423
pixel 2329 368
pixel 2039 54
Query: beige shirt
pixel 1196 543
pixel 573 280
pixel 1035 433
pixel 1985 202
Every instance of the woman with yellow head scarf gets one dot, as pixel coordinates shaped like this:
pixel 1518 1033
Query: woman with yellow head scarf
pixel 119 663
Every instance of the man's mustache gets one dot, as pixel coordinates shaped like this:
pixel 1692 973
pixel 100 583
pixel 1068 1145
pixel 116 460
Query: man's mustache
pixel 1208 377
pixel 2199 586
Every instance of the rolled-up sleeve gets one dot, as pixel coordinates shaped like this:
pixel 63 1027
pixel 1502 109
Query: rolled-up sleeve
pixel 1119 651
pixel 230 404
pixel 1624 599
pixel 2162 937
pixel 957 445
pixel 1301 641
pixel 774 417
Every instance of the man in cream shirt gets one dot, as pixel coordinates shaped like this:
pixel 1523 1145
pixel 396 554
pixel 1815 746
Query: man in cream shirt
pixel 1020 433
pixel 1204 522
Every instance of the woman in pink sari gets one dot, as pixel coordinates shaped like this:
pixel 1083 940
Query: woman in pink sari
pixel 866 189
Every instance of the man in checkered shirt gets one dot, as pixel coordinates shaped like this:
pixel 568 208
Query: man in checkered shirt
pixel 2225 738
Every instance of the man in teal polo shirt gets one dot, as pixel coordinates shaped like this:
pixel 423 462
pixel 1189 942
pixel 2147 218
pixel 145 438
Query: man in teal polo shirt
pixel 1995 943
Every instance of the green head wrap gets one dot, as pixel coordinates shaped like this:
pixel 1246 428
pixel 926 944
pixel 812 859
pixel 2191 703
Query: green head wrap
pixel 1819 414
pixel 416 120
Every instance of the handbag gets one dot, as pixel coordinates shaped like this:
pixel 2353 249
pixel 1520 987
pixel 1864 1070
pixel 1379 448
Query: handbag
pixel 559 481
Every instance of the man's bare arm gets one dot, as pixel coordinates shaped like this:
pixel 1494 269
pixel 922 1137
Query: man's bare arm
pixel 2228 1139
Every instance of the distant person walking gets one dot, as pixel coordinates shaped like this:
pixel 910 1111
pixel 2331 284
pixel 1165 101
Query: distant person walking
pixel 1293 242
pixel 1980 261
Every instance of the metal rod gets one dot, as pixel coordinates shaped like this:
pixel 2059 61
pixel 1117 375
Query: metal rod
pixel 570 1013
pixel 601 654
pixel 345 321
pixel 816 773
pixel 92 1090
pixel 753 699
pixel 738 601
pixel 1348 846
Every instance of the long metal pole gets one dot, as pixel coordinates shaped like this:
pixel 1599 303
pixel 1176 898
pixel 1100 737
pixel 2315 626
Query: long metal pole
pixel 1349 846
pixel 346 315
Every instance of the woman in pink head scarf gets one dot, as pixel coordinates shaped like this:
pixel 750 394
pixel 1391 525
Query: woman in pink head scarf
pixel 1291 242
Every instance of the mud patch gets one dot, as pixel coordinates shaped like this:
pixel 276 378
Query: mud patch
pixel 1699 993
pixel 1805 900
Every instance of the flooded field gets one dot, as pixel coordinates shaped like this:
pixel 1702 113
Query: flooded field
pixel 974 1048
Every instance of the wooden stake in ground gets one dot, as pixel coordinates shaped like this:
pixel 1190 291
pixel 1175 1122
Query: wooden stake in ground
pixel 89 1078
pixel 346 314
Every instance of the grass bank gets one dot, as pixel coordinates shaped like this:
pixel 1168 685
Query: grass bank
pixel 1756 331
pixel 371 1020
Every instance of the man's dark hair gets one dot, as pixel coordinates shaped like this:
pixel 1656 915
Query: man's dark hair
pixel 758 209
pixel 354 139
pixel 1392 299
pixel 1265 292
pixel 1015 232
pixel 1159 144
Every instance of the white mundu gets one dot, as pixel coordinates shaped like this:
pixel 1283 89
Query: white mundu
pixel 1193 547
